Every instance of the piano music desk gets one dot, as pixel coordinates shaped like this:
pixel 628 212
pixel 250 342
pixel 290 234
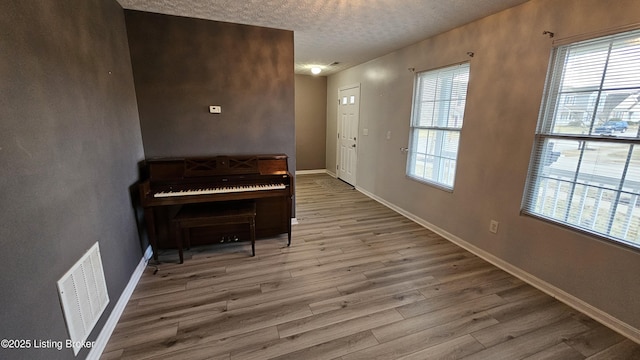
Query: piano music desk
pixel 213 214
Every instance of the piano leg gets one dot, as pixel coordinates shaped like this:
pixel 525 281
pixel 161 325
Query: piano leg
pixel 151 231
pixel 252 232
pixel 179 238
pixel 289 213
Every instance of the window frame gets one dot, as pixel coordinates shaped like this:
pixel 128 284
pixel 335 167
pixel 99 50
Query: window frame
pixel 441 130
pixel 545 134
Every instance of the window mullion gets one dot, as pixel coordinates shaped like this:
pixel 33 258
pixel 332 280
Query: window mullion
pixel 575 180
pixel 599 97
pixel 614 208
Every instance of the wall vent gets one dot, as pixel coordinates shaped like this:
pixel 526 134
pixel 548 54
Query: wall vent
pixel 83 296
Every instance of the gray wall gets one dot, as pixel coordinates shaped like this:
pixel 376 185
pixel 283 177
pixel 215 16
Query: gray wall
pixel 505 90
pixel 311 120
pixel 183 65
pixel 69 147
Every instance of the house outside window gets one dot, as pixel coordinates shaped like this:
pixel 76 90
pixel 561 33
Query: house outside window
pixel 439 99
pixel 585 167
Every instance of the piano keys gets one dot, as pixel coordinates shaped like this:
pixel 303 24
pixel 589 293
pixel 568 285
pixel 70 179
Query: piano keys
pixel 173 182
pixel 220 190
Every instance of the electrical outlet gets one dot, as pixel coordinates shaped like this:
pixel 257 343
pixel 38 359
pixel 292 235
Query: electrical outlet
pixel 215 109
pixel 493 226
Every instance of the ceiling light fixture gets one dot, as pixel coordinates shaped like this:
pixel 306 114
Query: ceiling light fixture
pixel 316 70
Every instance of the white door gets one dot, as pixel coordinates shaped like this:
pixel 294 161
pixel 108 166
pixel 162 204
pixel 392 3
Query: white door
pixel 348 116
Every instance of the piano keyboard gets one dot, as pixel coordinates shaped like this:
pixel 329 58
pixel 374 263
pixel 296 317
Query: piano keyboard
pixel 220 190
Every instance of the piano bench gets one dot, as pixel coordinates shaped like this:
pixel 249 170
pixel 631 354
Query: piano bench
pixel 213 214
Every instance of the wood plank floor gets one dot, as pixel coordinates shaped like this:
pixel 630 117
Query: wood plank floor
pixel 358 282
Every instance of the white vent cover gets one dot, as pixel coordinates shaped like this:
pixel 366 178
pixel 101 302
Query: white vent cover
pixel 83 295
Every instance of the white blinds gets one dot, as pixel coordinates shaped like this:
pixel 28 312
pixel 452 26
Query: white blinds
pixel 438 112
pixel 585 170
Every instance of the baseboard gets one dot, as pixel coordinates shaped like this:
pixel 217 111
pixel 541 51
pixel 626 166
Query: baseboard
pixel 604 318
pixel 307 172
pixel 319 171
pixel 112 321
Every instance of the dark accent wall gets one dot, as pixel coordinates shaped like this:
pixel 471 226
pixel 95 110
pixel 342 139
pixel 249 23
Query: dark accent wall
pixel 69 146
pixel 182 65
pixel 311 122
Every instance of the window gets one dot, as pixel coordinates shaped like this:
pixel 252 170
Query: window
pixel 438 109
pixel 585 168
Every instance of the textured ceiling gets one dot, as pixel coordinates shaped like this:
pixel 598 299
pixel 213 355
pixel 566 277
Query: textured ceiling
pixel 349 32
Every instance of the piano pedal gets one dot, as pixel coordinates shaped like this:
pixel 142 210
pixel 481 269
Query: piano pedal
pixel 222 240
pixel 235 237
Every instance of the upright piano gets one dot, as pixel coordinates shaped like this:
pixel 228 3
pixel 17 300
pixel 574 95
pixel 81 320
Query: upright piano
pixel 173 182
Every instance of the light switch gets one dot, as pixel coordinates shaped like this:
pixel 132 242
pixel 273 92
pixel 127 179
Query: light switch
pixel 215 109
pixel 365 132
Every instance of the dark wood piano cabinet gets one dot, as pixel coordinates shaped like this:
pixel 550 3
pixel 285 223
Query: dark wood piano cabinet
pixel 173 182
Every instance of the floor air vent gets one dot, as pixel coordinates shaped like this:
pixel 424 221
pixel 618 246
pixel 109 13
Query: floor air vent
pixel 83 295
